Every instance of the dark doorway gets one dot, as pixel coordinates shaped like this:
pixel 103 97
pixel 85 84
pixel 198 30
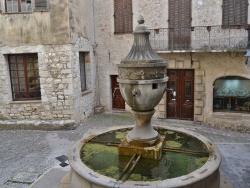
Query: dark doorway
pixel 180 106
pixel 179 24
pixel 118 102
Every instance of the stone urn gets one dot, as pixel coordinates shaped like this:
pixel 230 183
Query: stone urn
pixel 142 81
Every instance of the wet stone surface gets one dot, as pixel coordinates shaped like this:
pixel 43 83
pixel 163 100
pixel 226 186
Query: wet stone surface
pixel 31 153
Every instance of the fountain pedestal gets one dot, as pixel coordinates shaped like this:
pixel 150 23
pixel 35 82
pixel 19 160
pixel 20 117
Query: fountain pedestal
pixel 142 139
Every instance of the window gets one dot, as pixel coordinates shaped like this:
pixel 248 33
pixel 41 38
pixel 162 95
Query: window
pixel 234 12
pixel 13 6
pixel 232 94
pixel 123 16
pixel 82 70
pixel 41 5
pixel 24 76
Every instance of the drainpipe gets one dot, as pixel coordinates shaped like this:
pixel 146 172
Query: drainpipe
pixel 247 61
pixel 94 45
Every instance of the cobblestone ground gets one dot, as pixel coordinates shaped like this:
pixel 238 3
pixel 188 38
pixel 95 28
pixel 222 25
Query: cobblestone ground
pixel 25 154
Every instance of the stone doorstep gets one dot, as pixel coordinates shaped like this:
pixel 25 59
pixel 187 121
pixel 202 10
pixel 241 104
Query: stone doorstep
pixel 224 182
pixel 99 110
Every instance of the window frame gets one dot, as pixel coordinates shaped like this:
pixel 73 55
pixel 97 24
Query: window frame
pixel 19 7
pixel 83 72
pixel 230 94
pixel 20 70
pixel 240 14
pixel 123 15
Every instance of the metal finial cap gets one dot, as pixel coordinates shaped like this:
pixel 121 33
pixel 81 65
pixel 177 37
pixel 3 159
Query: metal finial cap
pixel 140 19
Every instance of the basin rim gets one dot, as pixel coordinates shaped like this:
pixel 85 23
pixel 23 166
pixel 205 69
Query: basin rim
pixel 208 169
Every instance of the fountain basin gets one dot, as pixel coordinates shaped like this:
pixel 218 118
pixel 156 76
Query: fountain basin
pixel 207 175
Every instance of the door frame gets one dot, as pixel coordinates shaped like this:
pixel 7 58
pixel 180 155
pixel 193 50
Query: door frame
pixel 180 104
pixel 115 90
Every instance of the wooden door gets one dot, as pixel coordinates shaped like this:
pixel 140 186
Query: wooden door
pixel 182 83
pixel 179 24
pixel 118 102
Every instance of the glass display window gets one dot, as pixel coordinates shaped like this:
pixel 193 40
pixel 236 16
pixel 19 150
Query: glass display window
pixel 232 94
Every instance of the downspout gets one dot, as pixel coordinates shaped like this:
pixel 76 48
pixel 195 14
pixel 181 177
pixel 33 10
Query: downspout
pixel 94 45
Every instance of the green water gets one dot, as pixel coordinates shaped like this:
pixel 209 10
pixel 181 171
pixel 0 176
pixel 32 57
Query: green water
pixel 106 161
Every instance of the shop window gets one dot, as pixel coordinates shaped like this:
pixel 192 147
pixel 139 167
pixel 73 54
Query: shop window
pixel 24 76
pixel 13 6
pixel 232 94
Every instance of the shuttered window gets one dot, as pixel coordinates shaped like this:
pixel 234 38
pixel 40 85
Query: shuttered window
pixel 179 24
pixel 234 13
pixel 123 16
pixel 41 5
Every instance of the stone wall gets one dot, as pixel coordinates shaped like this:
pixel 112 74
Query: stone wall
pixel 209 67
pixel 61 96
pixel 186 61
pixel 36 28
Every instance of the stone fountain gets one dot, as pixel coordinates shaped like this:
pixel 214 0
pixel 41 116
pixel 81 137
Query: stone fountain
pixel 112 158
pixel 142 80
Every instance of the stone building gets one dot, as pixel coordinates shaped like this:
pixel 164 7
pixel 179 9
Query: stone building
pixel 204 43
pixel 48 67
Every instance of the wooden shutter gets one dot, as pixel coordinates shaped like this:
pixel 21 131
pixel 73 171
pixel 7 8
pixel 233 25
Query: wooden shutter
pixel 123 16
pixel 234 12
pixel 179 24
pixel 118 4
pixel 128 25
pixel 41 5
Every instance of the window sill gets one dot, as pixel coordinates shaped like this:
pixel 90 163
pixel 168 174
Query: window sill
pixel 86 92
pixel 17 12
pixel 231 115
pixel 122 33
pixel 26 102
pixel 24 12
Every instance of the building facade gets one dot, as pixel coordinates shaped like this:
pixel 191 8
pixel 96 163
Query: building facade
pixel 48 70
pixel 204 43
pixel 59 58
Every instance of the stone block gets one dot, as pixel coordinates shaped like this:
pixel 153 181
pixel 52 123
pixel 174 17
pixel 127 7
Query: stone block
pixel 196 65
pixel 99 110
pixel 171 64
pixel 180 65
pixel 199 103
pixel 199 87
pixel 198 79
pixel 199 73
pixel 187 63
pixel 198 95
pixel 163 100
pixel 161 108
pixel 197 111
pixel 198 118
pixel 151 152
pixel 161 115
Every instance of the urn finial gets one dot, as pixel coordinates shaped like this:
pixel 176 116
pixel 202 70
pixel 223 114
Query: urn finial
pixel 140 19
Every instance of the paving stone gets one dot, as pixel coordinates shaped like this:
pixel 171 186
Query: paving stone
pixel 30 153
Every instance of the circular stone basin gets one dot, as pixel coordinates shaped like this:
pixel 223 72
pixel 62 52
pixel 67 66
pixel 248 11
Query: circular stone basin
pixel 187 159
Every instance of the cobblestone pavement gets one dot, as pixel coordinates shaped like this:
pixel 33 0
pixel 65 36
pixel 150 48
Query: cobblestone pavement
pixel 25 154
